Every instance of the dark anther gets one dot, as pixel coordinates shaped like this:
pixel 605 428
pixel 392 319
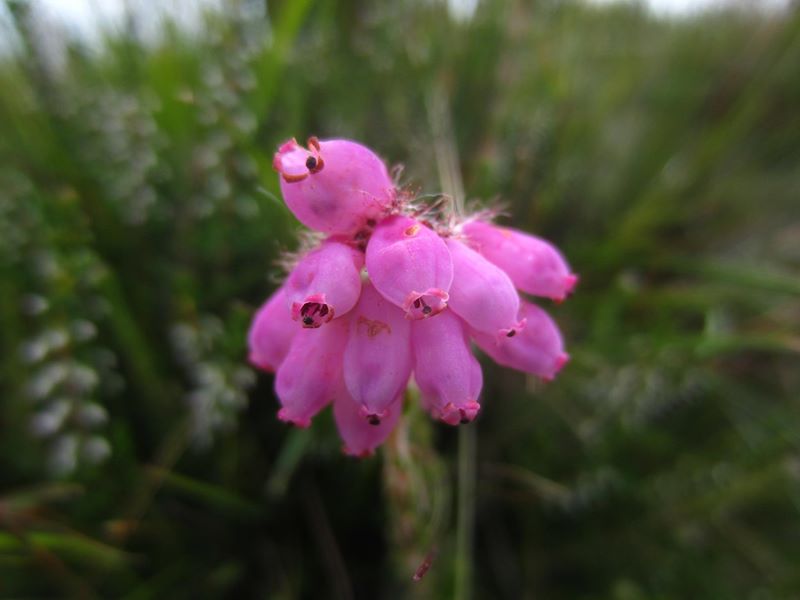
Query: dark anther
pixel 416 303
pixel 427 310
pixel 511 333
pixel 308 321
pixel 311 163
pixel 374 420
pixel 324 310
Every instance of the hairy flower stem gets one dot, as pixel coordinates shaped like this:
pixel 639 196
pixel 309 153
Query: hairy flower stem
pixel 419 496
pixel 467 452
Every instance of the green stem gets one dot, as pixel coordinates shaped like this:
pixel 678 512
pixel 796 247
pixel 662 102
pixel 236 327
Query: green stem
pixel 467 445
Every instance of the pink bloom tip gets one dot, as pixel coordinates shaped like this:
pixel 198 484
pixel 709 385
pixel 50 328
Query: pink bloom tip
pixel 283 415
pixel 453 415
pixel 313 312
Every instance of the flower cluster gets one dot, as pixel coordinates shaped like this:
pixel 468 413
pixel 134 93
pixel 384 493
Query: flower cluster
pixel 392 291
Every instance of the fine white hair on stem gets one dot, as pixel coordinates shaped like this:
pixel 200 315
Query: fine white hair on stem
pixel 307 241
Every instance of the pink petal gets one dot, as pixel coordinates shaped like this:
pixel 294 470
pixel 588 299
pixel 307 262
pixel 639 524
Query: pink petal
pixel 410 266
pixel 534 265
pixel 271 333
pixel 334 186
pixel 445 370
pixel 325 284
pixel 377 359
pixel 482 294
pixel 361 436
pixel 311 373
pixel 538 349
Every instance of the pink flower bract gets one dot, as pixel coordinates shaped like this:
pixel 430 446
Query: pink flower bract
pixel 310 375
pixel 271 333
pixel 325 284
pixel 534 265
pixel 333 186
pixel 482 294
pixel 362 436
pixel 447 373
pixel 410 266
pixel 538 349
pixel 377 361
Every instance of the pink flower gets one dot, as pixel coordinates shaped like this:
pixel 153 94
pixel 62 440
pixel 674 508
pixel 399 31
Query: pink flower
pixel 361 436
pixel 445 370
pixel 377 361
pixel 310 375
pixel 534 265
pixel 538 349
pixel 334 186
pixel 482 294
pixel 272 333
pixel 325 284
pixel 410 265
pixel 432 285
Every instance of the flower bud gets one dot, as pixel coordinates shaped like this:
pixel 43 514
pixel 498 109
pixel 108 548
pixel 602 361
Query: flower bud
pixel 271 333
pixel 325 284
pixel 538 349
pixel 361 436
pixel 334 186
pixel 310 375
pixel 377 359
pixel 534 265
pixel 482 294
pixel 410 266
pixel 445 370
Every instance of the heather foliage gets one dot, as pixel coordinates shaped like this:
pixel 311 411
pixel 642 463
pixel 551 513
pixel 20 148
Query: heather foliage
pixel 140 225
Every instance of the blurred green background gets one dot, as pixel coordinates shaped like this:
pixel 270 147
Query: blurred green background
pixel 140 222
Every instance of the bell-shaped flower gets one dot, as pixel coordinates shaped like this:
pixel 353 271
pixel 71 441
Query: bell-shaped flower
pixel 271 333
pixel 482 294
pixel 538 349
pixel 325 284
pixel 377 326
pixel 310 375
pixel 534 265
pixel 448 375
pixel 377 359
pixel 360 436
pixel 410 266
pixel 334 186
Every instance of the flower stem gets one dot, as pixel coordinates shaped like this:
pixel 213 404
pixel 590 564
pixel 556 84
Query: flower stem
pixel 467 444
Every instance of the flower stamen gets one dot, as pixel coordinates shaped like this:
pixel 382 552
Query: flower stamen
pixel 314 314
pixel 425 305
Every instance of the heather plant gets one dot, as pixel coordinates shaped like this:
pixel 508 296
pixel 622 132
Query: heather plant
pixel 418 263
pixel 143 224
